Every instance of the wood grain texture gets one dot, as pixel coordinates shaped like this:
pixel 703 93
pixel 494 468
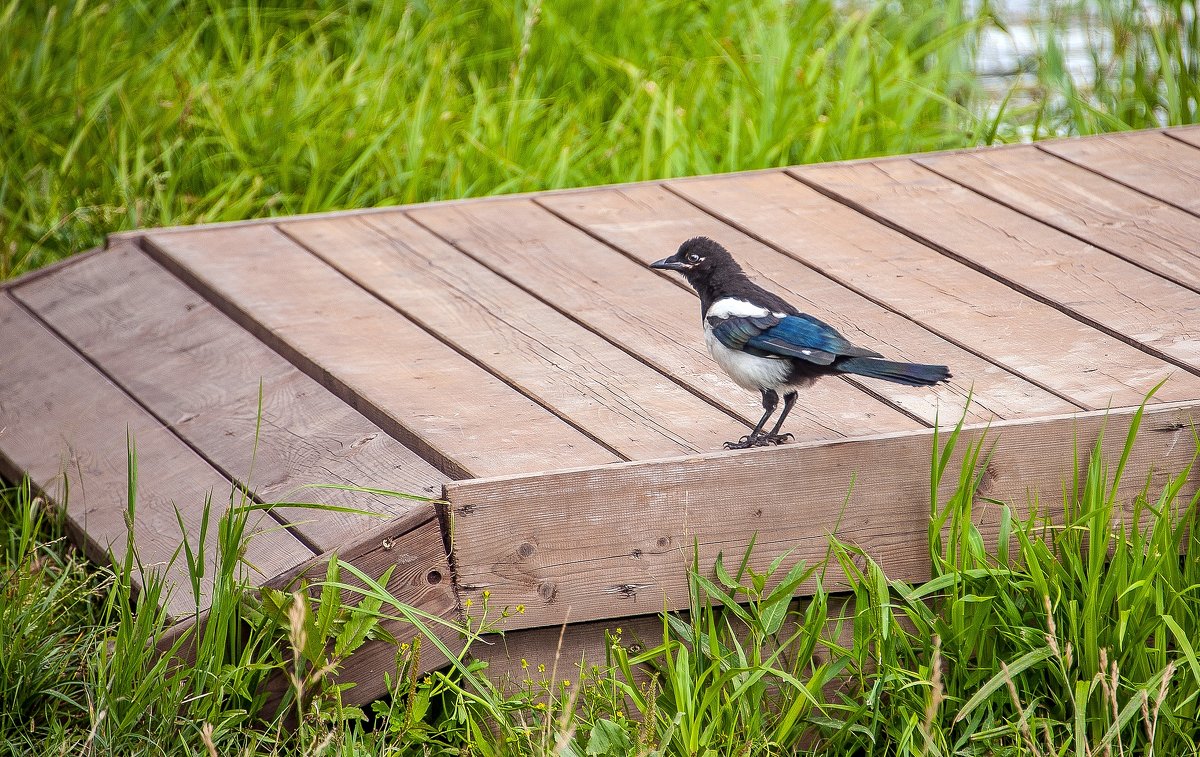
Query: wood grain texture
pixel 616 541
pixel 630 305
pixel 1150 162
pixel 67 427
pixel 615 398
pixel 1100 289
pixel 1140 229
pixel 1187 134
pixel 982 314
pixel 645 220
pixel 200 372
pixel 46 270
pixel 433 400
pixel 421 578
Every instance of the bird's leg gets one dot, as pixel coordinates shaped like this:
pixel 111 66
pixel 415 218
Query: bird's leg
pixel 770 399
pixel 789 399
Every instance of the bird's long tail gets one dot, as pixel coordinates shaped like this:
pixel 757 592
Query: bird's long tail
pixel 911 374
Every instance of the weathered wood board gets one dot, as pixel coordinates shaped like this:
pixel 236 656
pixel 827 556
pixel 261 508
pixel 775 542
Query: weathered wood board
pixel 614 541
pixel 517 355
pixel 56 427
pixel 1031 338
pixel 206 377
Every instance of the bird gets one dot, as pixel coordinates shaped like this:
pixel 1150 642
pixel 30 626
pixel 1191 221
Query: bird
pixel 767 345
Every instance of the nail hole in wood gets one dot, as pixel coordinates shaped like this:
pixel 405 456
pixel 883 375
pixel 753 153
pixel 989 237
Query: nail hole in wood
pixel 434 577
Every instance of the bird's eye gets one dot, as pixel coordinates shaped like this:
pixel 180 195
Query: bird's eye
pixel 693 258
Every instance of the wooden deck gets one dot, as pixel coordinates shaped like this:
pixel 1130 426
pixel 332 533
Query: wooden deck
pixel 516 357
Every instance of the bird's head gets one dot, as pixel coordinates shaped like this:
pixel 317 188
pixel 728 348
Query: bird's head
pixel 699 258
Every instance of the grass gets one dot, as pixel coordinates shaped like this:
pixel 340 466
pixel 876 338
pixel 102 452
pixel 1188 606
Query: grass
pixel 1073 636
pixel 138 113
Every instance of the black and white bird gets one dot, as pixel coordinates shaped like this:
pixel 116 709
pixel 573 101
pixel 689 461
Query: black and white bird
pixel 766 345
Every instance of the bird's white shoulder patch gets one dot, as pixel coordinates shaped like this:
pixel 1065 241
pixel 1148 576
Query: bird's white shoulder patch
pixel 732 307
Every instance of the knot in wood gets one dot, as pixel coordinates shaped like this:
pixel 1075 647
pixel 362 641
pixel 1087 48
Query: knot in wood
pixel 525 550
pixel 548 591
pixel 663 542
pixel 628 591
pixel 365 440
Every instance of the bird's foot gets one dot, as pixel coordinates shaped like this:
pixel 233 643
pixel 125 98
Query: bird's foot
pixel 746 442
pixel 761 440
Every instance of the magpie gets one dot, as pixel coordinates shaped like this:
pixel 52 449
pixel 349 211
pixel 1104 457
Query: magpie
pixel 766 345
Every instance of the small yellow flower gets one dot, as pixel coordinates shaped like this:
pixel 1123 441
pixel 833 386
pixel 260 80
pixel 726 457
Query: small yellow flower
pixel 521 609
pixel 524 664
pixel 566 683
pixel 487 593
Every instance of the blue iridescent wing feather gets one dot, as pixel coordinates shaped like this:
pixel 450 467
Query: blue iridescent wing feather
pixel 798 336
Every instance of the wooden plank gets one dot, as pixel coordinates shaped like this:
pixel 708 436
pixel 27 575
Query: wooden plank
pixel 1187 134
pixel 597 543
pixel 645 220
pixel 413 548
pixel 631 408
pixel 1112 217
pixel 67 427
pixel 983 315
pixel 645 314
pixel 421 578
pixel 1150 162
pixel 200 373
pixel 423 393
pixel 1093 286
pixel 46 270
pixel 533 658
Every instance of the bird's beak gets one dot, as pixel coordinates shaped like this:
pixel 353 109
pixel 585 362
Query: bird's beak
pixel 669 264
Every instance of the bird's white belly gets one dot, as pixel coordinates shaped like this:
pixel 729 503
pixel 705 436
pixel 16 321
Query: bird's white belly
pixel 747 371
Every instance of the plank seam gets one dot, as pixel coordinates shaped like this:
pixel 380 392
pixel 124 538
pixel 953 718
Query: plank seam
pixel 1011 284
pixel 1174 136
pixel 1116 180
pixel 1074 235
pixel 389 425
pixel 731 413
pixel 459 350
pixel 679 283
pixel 882 303
pixel 120 386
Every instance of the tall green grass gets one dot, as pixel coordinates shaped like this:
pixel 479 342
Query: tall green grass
pixel 139 113
pixel 1071 636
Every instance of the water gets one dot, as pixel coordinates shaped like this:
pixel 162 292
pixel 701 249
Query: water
pixel 1005 56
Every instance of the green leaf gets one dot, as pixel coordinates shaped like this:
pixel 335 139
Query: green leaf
pixel 608 738
pixel 1026 661
pixel 1185 644
pixel 723 575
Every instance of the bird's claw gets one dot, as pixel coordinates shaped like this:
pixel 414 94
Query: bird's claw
pixel 746 442
pixel 761 440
